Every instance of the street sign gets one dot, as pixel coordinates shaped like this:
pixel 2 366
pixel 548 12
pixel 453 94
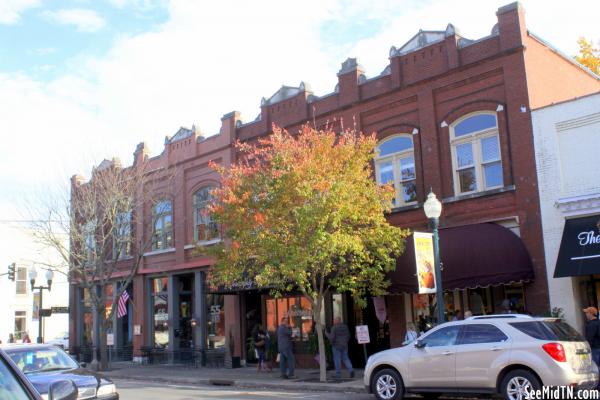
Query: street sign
pixel 137 329
pixel 60 310
pixel 362 334
pixel 110 339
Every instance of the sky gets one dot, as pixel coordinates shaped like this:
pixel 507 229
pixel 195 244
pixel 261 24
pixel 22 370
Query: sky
pixel 84 80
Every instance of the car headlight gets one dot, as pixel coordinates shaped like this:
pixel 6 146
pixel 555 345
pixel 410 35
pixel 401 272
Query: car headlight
pixel 106 389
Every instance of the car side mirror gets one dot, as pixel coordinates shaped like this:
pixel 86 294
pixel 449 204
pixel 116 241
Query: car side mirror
pixel 63 390
pixel 419 344
pixel 83 364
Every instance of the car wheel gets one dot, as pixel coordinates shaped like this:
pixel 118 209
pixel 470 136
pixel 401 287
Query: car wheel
pixel 517 384
pixel 387 385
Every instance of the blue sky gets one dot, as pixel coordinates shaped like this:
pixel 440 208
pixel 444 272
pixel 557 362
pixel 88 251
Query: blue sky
pixel 83 80
pixel 46 36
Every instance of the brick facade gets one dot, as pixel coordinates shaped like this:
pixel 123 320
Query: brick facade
pixel 435 79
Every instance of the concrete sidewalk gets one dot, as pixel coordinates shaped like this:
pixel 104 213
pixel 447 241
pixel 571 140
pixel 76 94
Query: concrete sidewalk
pixel 245 377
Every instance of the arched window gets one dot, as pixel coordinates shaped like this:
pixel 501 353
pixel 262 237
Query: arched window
pixel 162 237
pixel 476 156
pixel 205 228
pixel 395 164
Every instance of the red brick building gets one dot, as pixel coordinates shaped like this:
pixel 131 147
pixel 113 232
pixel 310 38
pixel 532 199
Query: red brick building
pixel 453 115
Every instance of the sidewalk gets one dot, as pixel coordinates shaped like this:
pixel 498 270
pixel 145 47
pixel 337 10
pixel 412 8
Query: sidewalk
pixel 245 377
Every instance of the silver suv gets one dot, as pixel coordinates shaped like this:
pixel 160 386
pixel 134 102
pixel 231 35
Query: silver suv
pixel 500 354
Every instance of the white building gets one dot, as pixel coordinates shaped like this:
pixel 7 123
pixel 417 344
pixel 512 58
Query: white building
pixel 17 307
pixel 567 149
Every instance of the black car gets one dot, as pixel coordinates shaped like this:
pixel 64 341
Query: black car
pixel 44 364
pixel 15 386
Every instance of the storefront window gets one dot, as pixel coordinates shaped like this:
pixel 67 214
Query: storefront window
pixel 215 321
pixel 299 311
pixel 514 298
pixel 86 338
pixel 479 301
pixel 160 307
pixel 108 291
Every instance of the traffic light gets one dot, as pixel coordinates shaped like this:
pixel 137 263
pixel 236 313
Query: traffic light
pixel 11 272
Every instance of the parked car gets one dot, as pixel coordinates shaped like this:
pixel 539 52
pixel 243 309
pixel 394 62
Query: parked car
pixel 14 384
pixel 61 340
pixel 500 354
pixel 44 364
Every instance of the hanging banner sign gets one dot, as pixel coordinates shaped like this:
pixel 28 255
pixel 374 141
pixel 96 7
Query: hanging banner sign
pixel 425 262
pixel 380 311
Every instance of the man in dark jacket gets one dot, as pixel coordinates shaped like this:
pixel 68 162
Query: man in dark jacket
pixel 592 332
pixel 339 338
pixel 284 346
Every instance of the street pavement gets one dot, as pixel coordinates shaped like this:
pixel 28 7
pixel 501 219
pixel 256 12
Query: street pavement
pixel 134 390
pixel 246 378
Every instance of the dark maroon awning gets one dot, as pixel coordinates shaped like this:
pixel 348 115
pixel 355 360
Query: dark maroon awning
pixel 472 256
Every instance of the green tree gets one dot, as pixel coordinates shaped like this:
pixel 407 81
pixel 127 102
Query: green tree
pixel 302 212
pixel 589 55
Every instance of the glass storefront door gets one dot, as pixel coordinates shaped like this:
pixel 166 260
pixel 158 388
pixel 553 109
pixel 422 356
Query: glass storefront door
pixel 160 312
pixel 185 334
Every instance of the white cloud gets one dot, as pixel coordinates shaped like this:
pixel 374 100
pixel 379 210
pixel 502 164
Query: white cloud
pixel 10 10
pixel 43 51
pixel 206 60
pixel 84 20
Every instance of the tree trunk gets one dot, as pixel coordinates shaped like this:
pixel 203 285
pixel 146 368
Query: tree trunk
pixel 321 340
pixel 102 343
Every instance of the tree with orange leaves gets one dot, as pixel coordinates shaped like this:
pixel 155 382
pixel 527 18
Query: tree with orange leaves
pixel 589 55
pixel 303 213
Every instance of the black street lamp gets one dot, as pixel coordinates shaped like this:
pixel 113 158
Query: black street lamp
pixel 433 210
pixel 32 277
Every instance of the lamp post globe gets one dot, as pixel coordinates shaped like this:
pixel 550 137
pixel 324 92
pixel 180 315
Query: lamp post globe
pixel 32 277
pixel 49 278
pixel 432 206
pixel 433 210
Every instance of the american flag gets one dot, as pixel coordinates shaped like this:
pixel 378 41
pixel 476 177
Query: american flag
pixel 122 308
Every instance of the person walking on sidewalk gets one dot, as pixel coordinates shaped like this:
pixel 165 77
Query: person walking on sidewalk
pixel 284 346
pixel 339 336
pixel 260 344
pixel 592 332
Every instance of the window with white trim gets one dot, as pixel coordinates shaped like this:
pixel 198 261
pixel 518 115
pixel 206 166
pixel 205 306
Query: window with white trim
pixel 20 323
pixel 476 158
pixel 89 232
pixel 205 228
pixel 395 164
pixel 21 280
pixel 122 235
pixel 162 237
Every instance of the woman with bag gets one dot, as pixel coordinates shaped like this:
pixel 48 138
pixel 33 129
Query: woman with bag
pixel 260 346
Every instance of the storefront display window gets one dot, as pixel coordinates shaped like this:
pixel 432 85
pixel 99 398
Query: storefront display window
pixel 480 301
pixel 108 291
pixel 86 337
pixel 215 320
pixel 160 307
pixel 299 311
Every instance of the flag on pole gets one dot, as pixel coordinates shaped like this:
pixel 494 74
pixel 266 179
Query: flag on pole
pixel 122 308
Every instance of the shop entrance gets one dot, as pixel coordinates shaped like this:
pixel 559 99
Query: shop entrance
pixel 184 334
pixel 379 333
pixel 253 314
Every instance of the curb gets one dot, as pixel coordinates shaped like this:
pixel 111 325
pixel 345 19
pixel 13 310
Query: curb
pixel 242 384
